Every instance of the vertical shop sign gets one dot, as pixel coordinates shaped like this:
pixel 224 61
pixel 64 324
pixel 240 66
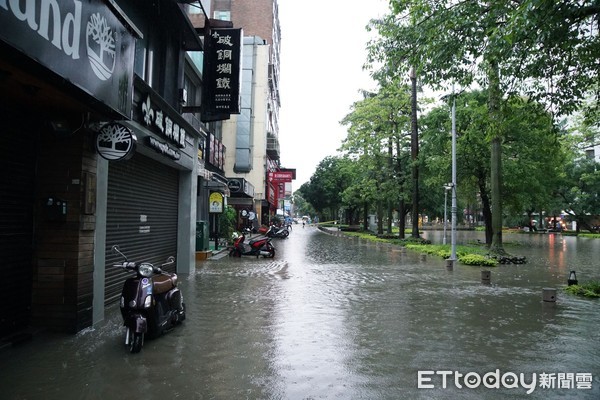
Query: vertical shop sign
pixel 222 69
pixel 216 152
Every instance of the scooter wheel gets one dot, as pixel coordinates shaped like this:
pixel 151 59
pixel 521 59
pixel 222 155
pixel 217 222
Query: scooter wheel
pixel 136 341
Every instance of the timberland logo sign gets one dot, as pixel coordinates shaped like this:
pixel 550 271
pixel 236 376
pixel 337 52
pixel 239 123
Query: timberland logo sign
pixel 115 142
pixel 82 41
pixel 100 46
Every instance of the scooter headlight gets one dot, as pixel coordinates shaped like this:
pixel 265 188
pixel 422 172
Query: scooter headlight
pixel 145 269
pixel 147 301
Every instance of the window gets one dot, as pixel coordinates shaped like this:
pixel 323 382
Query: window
pixel 139 62
pixel 194 9
pixel 222 15
pixel 590 153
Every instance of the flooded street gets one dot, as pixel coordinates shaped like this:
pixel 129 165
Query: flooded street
pixel 333 318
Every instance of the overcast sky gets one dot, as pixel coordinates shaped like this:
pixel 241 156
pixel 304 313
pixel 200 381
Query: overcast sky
pixel 322 54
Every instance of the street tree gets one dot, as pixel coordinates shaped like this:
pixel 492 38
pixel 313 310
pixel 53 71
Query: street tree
pixel 580 192
pixel 301 206
pixel 508 47
pixel 377 139
pixel 324 189
pixel 580 183
pixel 532 154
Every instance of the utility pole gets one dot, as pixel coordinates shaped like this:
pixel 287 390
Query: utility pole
pixel 453 233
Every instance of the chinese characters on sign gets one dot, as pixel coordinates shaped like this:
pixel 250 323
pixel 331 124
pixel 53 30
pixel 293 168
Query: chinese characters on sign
pixel 281 176
pixel 155 117
pixel 216 152
pixel 222 68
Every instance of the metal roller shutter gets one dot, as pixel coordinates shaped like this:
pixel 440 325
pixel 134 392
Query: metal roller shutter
pixel 17 182
pixel 141 217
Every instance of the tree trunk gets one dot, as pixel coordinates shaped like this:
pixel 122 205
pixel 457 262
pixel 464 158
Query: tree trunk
pixel 390 217
pixel 401 219
pixel 487 215
pixel 414 152
pixel 380 217
pixel 495 132
pixel 365 216
pixel 390 210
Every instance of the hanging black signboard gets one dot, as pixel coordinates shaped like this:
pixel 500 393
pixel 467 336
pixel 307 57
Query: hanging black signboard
pixel 222 74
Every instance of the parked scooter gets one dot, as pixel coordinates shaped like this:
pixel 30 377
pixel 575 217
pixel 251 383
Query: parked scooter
pixel 151 303
pixel 260 246
pixel 278 232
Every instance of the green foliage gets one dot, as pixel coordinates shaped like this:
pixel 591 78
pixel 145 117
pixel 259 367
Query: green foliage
pixel 227 222
pixel 428 249
pixel 532 155
pixel 476 259
pixel 468 255
pixel 591 289
pixel 325 187
pixel 589 235
pixel 301 206
pixel 524 55
pixel 580 188
pixel 536 46
pixel 529 48
pixel 378 143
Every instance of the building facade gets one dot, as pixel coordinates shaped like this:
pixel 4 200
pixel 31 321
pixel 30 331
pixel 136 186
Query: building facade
pixel 253 135
pixel 96 151
pixel 246 137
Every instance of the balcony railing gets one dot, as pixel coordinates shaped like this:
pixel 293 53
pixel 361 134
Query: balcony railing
pixel 273 147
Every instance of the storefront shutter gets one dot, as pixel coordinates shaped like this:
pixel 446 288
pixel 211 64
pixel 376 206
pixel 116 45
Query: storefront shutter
pixel 17 182
pixel 141 217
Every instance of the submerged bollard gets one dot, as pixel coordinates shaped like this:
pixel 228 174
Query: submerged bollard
pixel 572 279
pixel 549 295
pixel 423 257
pixel 449 264
pixel 486 277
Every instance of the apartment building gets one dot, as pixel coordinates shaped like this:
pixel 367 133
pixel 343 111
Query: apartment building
pixel 252 137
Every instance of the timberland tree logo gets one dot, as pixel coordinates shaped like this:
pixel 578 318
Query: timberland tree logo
pixel 100 46
pixel 115 142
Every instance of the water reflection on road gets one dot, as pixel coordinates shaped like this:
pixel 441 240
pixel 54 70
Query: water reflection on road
pixel 332 318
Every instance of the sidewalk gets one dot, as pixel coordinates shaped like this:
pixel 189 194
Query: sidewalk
pixel 223 250
pixel 217 253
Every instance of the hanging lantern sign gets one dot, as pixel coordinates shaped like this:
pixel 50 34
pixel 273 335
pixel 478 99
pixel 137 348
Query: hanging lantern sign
pixel 115 142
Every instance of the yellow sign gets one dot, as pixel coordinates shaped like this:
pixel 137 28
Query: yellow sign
pixel 215 203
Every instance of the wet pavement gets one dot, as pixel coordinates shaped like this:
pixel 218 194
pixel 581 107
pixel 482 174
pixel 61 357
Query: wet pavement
pixel 335 318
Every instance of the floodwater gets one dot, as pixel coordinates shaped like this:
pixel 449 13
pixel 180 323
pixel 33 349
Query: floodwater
pixel 335 318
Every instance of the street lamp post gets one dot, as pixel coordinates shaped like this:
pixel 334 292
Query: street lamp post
pixel 453 240
pixel 447 187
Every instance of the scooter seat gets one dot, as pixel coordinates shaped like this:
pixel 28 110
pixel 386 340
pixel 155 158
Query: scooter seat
pixel 163 283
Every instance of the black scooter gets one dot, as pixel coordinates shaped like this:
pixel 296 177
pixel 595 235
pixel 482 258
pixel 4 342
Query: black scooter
pixel 278 232
pixel 151 303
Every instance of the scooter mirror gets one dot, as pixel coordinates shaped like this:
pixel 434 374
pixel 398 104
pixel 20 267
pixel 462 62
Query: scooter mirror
pixel 170 260
pixel 117 250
